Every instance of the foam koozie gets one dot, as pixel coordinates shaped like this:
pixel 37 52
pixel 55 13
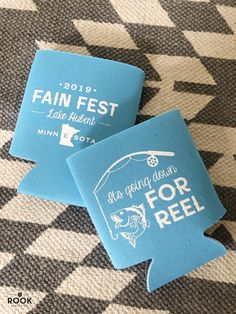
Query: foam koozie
pixel 71 102
pixel 150 197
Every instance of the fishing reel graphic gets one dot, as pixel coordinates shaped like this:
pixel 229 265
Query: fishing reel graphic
pixel 152 161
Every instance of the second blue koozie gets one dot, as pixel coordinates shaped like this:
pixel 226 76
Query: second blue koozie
pixel 150 197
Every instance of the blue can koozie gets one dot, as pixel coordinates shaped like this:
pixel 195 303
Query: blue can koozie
pixel 71 102
pixel 150 197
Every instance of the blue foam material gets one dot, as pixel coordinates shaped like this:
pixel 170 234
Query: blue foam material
pixel 71 102
pixel 150 197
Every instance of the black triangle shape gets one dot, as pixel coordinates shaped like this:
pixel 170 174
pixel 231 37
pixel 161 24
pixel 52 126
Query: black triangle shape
pixel 210 158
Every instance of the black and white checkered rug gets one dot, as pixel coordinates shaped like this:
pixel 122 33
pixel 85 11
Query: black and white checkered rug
pixel 49 252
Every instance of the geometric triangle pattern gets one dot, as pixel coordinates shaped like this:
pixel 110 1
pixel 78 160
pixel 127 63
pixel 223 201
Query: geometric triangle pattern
pixel 50 252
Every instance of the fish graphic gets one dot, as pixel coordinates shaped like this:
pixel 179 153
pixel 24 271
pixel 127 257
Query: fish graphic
pixel 131 222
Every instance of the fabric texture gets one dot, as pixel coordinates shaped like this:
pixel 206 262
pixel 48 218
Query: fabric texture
pixel 50 252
